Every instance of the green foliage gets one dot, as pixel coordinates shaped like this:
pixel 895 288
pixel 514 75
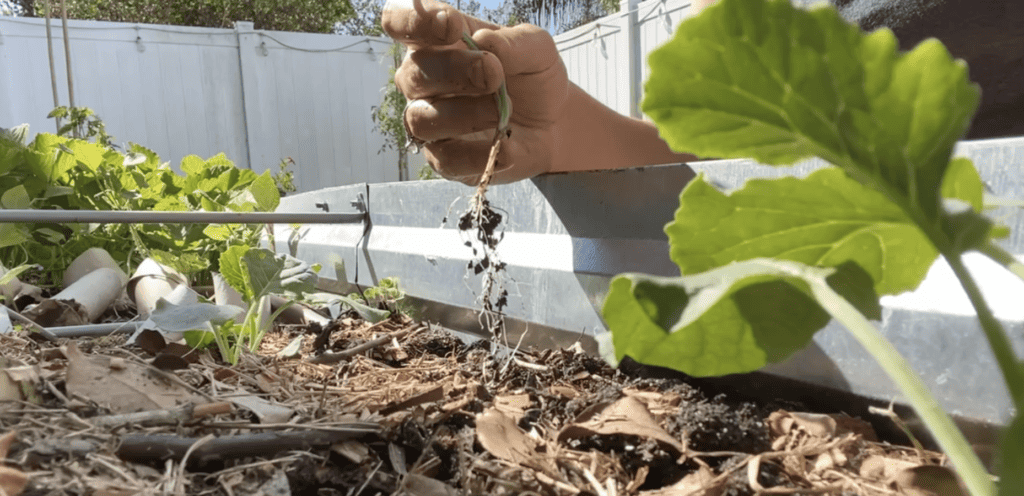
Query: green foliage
pixel 389 116
pixel 82 123
pixel 824 219
pixel 798 84
pixel 55 172
pixel 312 16
pixel 764 267
pixel 257 273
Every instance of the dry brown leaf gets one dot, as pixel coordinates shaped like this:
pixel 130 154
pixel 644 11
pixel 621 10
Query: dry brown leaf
pixel 12 481
pixel 513 405
pixel 58 313
pixel 627 415
pixel 130 387
pixel 17 381
pixel 418 485
pixel 928 480
pixel 883 468
pixel 266 412
pixel 697 483
pixel 500 435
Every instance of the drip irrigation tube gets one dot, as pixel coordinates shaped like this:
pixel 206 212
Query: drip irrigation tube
pixel 147 217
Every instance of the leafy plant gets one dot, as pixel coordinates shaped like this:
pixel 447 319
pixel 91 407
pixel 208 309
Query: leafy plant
pixel 56 172
pixel 257 273
pixel 82 123
pixel 765 267
pixel 389 116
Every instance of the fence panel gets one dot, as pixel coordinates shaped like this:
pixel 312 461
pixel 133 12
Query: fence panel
pixel 258 96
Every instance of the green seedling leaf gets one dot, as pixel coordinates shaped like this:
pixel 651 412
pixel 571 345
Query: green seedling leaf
pixel 16 198
pixel 277 274
pixel 12 235
pixel 9 275
pixel 764 80
pixel 91 155
pixel 728 320
pixel 824 219
pixel 219 232
pixel 1011 452
pixel 234 273
pixel 340 304
pixel 963 182
pixel 169 317
pixel 199 339
pixel 264 191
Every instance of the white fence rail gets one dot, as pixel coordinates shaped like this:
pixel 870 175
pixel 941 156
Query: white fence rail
pixel 258 96
pixel 607 57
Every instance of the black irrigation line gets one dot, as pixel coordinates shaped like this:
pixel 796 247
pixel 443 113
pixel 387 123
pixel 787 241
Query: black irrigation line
pixel 177 217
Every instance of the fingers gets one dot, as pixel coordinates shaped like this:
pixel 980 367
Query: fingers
pixel 451 118
pixel 523 49
pixel 463 160
pixel 422 23
pixel 433 72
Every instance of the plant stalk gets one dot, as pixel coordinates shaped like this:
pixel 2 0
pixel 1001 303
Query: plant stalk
pixel 1003 257
pixel 997 339
pixel 949 437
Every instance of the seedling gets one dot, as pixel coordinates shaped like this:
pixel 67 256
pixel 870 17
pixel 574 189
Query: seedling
pixel 765 267
pixel 485 221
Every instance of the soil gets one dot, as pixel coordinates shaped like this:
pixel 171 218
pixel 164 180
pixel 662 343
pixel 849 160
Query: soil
pixel 404 407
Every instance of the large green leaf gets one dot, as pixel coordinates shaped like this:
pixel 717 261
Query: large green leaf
pixel 728 320
pixel 761 79
pixel 265 192
pixel 234 272
pixel 824 219
pixel 277 274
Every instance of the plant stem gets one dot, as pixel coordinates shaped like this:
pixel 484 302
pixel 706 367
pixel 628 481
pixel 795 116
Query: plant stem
pixel 950 439
pixel 997 339
pixel 1004 258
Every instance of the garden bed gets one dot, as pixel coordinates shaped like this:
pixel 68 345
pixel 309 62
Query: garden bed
pixel 404 407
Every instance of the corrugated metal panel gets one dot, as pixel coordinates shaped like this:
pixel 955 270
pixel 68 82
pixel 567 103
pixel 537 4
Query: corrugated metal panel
pixel 179 91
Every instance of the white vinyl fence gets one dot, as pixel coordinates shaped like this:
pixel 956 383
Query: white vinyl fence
pixel 608 57
pixel 258 96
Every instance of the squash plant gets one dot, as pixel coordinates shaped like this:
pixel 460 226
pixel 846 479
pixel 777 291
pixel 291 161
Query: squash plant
pixel 56 172
pixel 765 267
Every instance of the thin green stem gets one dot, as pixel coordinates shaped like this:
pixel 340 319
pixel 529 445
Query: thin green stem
pixel 950 439
pixel 1003 257
pixel 997 339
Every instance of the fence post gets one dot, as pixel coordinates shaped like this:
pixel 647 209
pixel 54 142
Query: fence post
pixel 634 59
pixel 6 83
pixel 251 118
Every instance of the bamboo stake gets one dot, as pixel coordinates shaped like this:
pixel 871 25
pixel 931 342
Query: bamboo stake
pixel 49 51
pixel 67 59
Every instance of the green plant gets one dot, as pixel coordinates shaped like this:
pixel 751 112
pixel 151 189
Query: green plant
pixel 284 178
pixel 257 273
pixel 55 172
pixel 767 266
pixel 389 116
pixel 82 123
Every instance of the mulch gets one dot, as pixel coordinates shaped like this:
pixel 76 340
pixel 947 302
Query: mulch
pixel 405 407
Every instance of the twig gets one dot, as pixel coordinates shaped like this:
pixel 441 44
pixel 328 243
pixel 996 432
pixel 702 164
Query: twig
pixel 329 358
pixel 143 448
pixel 156 417
pixel 49 336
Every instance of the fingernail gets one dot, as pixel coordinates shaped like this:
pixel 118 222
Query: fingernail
pixel 477 75
pixel 441 25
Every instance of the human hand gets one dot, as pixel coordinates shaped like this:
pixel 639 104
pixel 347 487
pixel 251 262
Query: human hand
pixel 451 90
